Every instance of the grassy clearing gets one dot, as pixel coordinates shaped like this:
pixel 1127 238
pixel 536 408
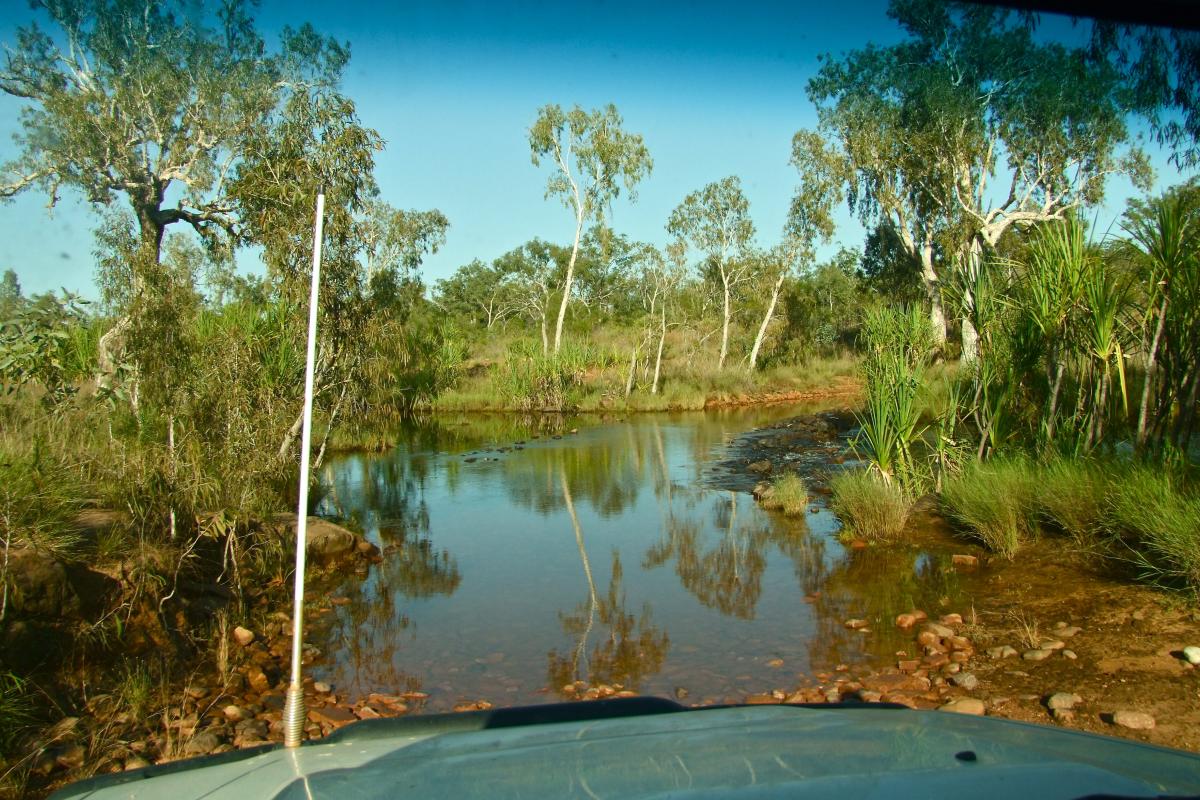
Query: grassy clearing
pixel 870 508
pixel 994 502
pixel 788 494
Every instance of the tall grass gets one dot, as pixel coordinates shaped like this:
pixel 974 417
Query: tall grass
pixel 994 502
pixel 787 494
pixel 870 507
pixel 1159 523
pixel 1072 497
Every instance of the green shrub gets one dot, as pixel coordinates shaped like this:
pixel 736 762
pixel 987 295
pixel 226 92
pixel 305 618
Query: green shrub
pixel 16 711
pixel 994 502
pixel 1160 524
pixel 870 507
pixel 1071 497
pixel 787 494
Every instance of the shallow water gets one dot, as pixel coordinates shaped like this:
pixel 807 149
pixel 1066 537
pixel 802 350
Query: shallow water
pixel 516 563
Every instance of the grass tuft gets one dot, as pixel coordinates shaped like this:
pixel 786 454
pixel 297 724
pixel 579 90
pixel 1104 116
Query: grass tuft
pixel 869 507
pixel 994 502
pixel 787 494
pixel 1160 524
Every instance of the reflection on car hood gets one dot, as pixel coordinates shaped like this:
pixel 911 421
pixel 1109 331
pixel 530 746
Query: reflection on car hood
pixel 650 749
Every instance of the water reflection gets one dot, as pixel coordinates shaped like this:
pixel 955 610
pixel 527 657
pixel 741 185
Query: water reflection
pixel 492 584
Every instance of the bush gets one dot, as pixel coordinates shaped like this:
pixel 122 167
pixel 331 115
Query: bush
pixel 869 507
pixel 1160 524
pixel 994 502
pixel 787 494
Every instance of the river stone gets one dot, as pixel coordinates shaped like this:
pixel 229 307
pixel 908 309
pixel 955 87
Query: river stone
pixel 965 680
pixel 965 705
pixel 324 538
pixel 941 631
pixel 1134 720
pixel 1063 701
pixel 234 713
pixel 760 467
pixel 202 744
pixel 906 620
pixel 243 636
pixel 136 762
pixel 1052 644
pixel 1037 655
pixel 1005 651
pixel 1192 654
pixel 856 624
pixel 1067 631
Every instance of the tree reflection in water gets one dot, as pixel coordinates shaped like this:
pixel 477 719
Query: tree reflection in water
pixel 631 647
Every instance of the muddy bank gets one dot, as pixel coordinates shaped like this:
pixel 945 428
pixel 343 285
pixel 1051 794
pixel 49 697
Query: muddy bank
pixel 1049 637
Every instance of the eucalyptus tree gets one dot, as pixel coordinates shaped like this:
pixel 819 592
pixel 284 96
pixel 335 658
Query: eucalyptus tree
pixel 716 221
pixel 971 126
pixel 480 292
pixel 535 271
pixel 810 220
pixel 592 158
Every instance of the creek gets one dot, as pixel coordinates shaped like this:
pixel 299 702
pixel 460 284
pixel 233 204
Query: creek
pixel 522 555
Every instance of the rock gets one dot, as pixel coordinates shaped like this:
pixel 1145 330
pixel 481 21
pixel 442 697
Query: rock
pixel 1053 644
pixel 252 730
pixel 1069 654
pixel 965 680
pixel 258 680
pixel 324 538
pixel 761 700
pixel 1063 701
pixel 906 620
pixel 965 705
pixel 952 619
pixel 331 715
pixel 908 665
pixel 243 636
pixel 320 687
pixel 856 624
pixel 136 762
pixel 1134 720
pixel 71 756
pixel 367 712
pixel 39 585
pixel 368 549
pixel 202 744
pixel 760 467
pixel 681 693
pixel 775 663
pixel 1063 715
pixel 1036 655
pixel 940 631
pixel 1067 631
pixel 1191 654
pixel 234 713
pixel 960 560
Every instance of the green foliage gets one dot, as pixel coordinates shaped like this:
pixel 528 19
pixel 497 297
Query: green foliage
pixel 787 494
pixel 898 343
pixel 46 344
pixel 871 508
pixel 532 381
pixel 1072 497
pixel 1159 522
pixel 16 711
pixel 994 502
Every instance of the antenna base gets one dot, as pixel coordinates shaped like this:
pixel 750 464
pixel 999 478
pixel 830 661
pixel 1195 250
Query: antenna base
pixel 295 715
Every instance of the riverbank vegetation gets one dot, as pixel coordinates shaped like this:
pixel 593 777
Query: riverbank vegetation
pixel 1035 376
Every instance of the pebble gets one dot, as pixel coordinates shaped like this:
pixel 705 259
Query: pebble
pixel 856 624
pixel 202 744
pixel 941 631
pixel 1063 701
pixel 1067 631
pixel 1036 655
pixel 775 663
pixel 1134 720
pixel 964 705
pixel 906 620
pixel 1006 651
pixel 1069 654
pixel 1053 644
pixel 1192 654
pixel 965 680
pixel 961 560
pixel 234 713
pixel 320 687
pixel 136 762
pixel 243 636
pixel 952 619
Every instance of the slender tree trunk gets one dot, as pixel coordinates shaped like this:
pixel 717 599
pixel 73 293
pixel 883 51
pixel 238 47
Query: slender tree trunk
pixel 171 464
pixel 632 368
pixel 1052 407
pixel 762 329
pixel 970 341
pixel 724 323
pixel 545 338
pixel 933 293
pixel 593 600
pixel 566 298
pixel 662 338
pixel 1151 370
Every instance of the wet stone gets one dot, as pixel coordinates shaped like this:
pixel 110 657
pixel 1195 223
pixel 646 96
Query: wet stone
pixel 965 680
pixel 965 705
pixel 1134 720
pixel 1037 655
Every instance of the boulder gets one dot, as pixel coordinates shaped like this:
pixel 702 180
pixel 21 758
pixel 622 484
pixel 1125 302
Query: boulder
pixel 324 538
pixel 39 585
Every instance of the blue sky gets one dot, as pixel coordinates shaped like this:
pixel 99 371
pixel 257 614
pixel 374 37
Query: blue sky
pixel 716 89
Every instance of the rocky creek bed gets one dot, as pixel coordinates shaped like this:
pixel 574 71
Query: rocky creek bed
pixel 1043 638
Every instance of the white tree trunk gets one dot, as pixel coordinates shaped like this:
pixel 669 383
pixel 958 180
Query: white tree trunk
pixel 662 338
pixel 762 329
pixel 933 291
pixel 632 370
pixel 724 323
pixel 566 298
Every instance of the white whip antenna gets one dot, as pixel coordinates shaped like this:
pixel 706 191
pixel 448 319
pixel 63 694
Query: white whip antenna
pixel 295 715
